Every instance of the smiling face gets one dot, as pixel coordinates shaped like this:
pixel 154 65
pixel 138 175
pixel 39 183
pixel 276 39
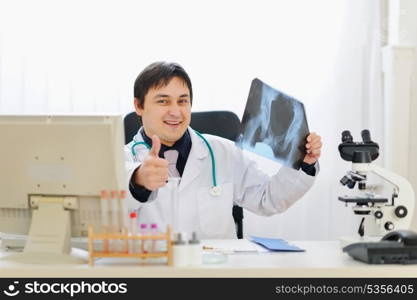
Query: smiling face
pixel 166 111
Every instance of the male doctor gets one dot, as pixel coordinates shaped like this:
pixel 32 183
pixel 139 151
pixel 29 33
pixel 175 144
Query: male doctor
pixel 163 97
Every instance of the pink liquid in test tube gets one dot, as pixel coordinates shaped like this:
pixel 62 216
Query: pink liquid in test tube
pixel 143 232
pixel 154 231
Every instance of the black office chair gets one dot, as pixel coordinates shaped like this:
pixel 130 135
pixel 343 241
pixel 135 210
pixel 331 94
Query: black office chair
pixel 225 124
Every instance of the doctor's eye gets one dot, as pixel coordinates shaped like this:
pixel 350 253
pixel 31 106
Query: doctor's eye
pixel 183 101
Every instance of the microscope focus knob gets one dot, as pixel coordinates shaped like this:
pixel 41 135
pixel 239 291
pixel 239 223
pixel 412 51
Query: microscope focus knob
pixel 389 225
pixel 378 214
pixel 401 211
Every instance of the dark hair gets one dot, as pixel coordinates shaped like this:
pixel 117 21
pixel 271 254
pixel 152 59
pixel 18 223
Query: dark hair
pixel 159 74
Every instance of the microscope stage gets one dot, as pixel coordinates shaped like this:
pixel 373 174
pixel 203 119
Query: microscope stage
pixel 362 201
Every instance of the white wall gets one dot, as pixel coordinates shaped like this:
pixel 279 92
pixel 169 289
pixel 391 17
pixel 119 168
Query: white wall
pixel 86 54
pixel 83 56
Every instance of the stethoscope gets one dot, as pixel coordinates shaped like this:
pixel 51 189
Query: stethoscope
pixel 215 190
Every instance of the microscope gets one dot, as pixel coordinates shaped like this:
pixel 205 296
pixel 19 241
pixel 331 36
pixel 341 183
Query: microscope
pixel 379 214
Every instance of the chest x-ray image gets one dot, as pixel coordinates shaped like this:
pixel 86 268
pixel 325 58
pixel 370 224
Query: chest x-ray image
pixel 274 125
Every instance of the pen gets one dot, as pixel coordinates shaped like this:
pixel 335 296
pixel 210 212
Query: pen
pixel 229 250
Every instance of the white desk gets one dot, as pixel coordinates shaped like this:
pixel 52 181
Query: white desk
pixel 321 259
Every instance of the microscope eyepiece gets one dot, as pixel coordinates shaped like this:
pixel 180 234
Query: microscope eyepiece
pixel 366 136
pixel 348 147
pixel 347 137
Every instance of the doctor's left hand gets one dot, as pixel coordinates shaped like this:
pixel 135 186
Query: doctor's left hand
pixel 313 148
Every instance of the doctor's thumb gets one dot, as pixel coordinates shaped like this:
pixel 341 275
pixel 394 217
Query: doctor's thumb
pixel 156 146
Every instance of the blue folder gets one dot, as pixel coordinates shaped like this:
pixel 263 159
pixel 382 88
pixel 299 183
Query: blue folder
pixel 276 244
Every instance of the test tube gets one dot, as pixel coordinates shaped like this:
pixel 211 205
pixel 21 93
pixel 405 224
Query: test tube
pixel 122 208
pixel 143 229
pixel 114 246
pixel 104 204
pixel 133 218
pixel 104 210
pixel 114 212
pixel 154 232
pixel 109 212
pixel 173 184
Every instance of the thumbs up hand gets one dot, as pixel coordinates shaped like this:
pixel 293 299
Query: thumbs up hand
pixel 153 172
pixel 156 146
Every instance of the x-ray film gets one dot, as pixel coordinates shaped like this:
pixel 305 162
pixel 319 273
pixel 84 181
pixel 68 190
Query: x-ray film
pixel 274 125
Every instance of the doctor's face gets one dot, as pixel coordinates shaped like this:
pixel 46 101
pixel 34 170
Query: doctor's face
pixel 166 111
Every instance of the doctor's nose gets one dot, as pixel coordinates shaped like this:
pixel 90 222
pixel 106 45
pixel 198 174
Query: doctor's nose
pixel 174 111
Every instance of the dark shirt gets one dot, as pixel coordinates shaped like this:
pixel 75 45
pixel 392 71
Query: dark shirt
pixel 309 169
pixel 183 146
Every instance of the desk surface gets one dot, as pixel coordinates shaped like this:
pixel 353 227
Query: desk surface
pixel 321 259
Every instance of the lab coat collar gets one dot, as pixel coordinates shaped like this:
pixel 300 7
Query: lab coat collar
pixel 198 153
pixel 197 145
pixel 141 150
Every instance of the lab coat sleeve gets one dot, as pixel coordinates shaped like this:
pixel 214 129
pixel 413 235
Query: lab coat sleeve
pixel 267 195
pixel 130 167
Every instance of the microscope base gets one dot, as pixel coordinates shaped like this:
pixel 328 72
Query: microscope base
pixel 347 240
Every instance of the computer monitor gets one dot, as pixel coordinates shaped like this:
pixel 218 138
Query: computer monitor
pixel 53 169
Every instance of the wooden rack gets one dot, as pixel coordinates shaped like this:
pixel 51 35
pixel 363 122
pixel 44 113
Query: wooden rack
pixel 124 239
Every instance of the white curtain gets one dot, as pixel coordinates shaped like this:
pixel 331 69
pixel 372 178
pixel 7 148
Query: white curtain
pixel 83 56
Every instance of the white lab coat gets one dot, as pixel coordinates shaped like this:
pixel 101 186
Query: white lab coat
pixel 241 181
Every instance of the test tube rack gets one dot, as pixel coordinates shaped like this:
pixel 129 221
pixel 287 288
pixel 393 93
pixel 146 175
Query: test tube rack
pixel 124 238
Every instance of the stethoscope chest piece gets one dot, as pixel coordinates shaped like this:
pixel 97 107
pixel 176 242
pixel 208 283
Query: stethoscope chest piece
pixel 216 191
